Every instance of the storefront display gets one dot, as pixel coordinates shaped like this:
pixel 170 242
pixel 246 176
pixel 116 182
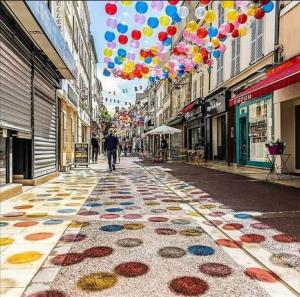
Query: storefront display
pixel 254 130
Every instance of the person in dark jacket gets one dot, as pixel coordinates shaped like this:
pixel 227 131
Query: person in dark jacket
pixel 110 146
pixel 164 147
pixel 95 148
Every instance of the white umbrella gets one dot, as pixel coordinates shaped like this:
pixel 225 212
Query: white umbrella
pixel 163 130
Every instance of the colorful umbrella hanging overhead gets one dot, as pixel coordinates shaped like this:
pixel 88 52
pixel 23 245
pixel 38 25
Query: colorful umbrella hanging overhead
pixel 143 51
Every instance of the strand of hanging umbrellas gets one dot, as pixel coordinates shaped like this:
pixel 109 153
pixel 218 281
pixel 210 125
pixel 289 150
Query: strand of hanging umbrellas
pixel 126 56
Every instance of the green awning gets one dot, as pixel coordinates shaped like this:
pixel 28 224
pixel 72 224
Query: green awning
pixel 175 121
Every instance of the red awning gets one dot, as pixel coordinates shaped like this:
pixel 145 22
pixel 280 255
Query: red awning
pixel 189 107
pixel 278 77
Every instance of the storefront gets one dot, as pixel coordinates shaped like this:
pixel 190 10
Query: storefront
pixel 28 118
pixel 254 128
pixel 259 121
pixel 216 106
pixel 196 127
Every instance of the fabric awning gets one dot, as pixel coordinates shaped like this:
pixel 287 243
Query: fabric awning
pixel 189 107
pixel 279 77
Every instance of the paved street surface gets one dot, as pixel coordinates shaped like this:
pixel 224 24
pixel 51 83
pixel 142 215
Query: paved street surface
pixel 145 231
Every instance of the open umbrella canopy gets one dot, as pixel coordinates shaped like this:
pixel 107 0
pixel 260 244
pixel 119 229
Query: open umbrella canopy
pixel 163 130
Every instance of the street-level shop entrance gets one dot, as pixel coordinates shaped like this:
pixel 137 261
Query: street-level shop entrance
pixel 254 122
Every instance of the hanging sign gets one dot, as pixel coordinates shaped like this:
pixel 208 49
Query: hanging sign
pixel 81 154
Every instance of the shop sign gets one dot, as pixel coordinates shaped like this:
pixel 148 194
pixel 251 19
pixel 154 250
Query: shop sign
pixel 216 105
pixel 240 99
pixel 59 14
pixel 81 154
pixel 72 96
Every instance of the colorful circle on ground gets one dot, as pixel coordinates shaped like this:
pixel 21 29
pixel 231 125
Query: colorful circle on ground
pixel 135 226
pixel 67 259
pixel 111 228
pixel 66 210
pixel 131 269
pixel 158 219
pixel 53 222
pixel 98 251
pixel 243 216
pixel 6 241
pixel 180 221
pixel 252 238
pixel 14 214
pixel 110 216
pixel 73 237
pixel 38 236
pixel 3 224
pixel 24 257
pixel 25 224
pixel 232 226
pixel 188 286
pixel 127 203
pixel 171 252
pixel 201 250
pixel 165 231
pixel 97 281
pixel 48 293
pixel 190 232
pixel 37 215
pixel 215 269
pixel 261 275
pixel 285 238
pixel 129 242
pixel 132 216
pixel 23 206
pixel 227 243
pixel 115 209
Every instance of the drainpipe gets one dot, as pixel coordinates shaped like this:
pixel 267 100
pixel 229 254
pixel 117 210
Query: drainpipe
pixel 277 49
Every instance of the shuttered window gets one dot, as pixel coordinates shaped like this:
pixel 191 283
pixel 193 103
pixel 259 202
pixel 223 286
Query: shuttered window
pixel 220 64
pixel 201 81
pixel 195 89
pixel 257 40
pixel 235 56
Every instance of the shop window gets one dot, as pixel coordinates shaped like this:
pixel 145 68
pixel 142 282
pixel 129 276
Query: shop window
pixel 64 129
pixel 260 129
pixel 221 17
pixel 235 56
pixel 256 40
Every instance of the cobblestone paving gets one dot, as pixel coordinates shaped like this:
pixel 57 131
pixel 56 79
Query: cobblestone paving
pixel 143 232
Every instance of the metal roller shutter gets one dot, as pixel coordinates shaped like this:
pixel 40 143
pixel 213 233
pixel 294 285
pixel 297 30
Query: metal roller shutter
pixel 15 84
pixel 44 126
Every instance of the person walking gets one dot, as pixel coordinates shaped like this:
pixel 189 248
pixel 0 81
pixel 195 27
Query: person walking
pixel 125 150
pixel 95 147
pixel 110 146
pixel 119 152
pixel 164 147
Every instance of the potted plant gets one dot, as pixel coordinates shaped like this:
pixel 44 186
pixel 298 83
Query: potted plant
pixel 276 147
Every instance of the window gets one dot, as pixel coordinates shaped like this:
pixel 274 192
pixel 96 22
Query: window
pixel 195 89
pixel 220 64
pixel 221 17
pixel 256 40
pixel 201 87
pixel 235 56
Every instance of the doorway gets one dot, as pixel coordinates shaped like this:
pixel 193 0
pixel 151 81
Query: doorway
pixel 22 159
pixel 243 141
pixel 297 135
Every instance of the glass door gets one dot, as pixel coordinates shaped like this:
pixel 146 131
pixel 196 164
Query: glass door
pixel 243 140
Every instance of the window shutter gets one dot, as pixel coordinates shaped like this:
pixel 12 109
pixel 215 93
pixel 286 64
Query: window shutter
pixel 259 46
pixel 233 57
pixel 253 41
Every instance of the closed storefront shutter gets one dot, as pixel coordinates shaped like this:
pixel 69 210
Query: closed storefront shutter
pixel 15 82
pixel 44 126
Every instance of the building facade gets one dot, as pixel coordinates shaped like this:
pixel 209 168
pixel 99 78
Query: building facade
pixel 34 58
